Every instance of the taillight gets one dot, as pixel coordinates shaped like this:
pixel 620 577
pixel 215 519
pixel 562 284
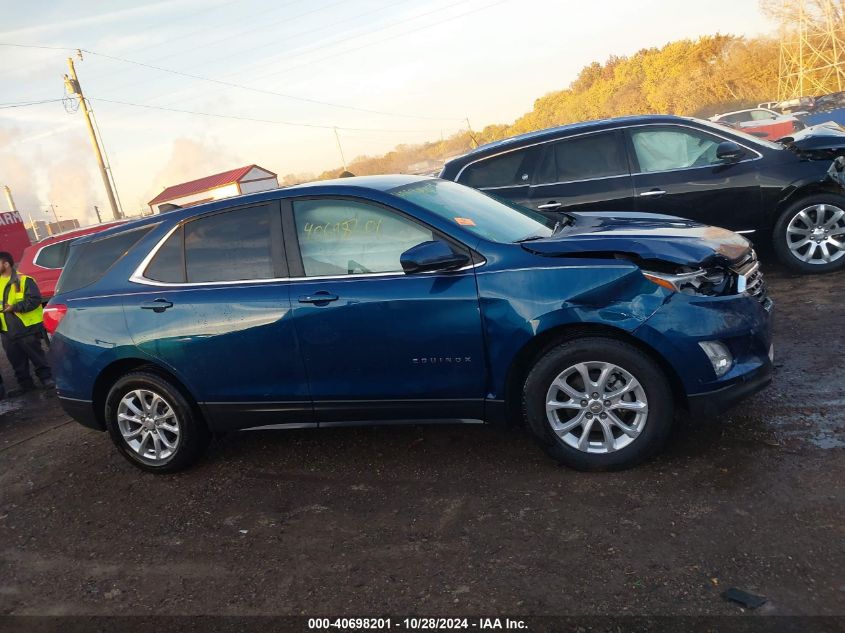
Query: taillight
pixel 53 315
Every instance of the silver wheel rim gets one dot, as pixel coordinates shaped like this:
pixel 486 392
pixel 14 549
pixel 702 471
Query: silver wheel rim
pixel 816 235
pixel 148 425
pixel 596 407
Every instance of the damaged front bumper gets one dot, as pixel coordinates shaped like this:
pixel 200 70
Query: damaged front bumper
pixel 710 404
pixel 740 322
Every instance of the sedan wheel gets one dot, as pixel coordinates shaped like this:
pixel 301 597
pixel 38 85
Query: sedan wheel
pixel 816 234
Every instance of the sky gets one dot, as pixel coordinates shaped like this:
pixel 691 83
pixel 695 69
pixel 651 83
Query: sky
pixel 382 72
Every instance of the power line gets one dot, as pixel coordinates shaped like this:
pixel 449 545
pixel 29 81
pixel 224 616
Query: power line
pixel 451 5
pixel 357 36
pixel 386 39
pixel 48 48
pixel 259 28
pixel 299 34
pixel 190 34
pixel 295 97
pixel 23 104
pixel 230 84
pixel 254 119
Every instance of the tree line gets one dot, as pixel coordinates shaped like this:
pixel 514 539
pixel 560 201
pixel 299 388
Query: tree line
pixel 699 78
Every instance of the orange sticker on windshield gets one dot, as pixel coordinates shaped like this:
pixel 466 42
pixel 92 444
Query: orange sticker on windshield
pixel 464 221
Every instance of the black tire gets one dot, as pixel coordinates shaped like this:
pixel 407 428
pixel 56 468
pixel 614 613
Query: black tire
pixel 780 236
pixel 193 436
pixel 654 429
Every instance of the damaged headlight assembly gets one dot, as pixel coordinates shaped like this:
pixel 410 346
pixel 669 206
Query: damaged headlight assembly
pixel 709 283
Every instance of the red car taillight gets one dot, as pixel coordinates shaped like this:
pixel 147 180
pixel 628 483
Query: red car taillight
pixel 53 315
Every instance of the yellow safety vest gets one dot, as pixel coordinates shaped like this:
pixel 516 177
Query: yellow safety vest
pixel 16 295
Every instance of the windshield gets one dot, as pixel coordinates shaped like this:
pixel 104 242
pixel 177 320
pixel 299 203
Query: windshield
pixel 475 211
pixel 743 135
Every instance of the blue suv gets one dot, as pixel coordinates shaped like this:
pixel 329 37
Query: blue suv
pixel 405 299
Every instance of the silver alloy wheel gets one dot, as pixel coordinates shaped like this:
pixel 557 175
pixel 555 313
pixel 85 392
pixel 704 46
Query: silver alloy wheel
pixel 596 407
pixel 816 234
pixel 148 425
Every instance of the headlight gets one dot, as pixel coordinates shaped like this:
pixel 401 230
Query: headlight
pixel 720 356
pixel 709 282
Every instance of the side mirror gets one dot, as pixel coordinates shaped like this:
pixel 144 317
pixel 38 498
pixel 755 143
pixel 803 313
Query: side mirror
pixel 729 152
pixel 431 256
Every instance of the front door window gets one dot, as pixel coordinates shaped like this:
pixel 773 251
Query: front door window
pixel 667 148
pixel 346 237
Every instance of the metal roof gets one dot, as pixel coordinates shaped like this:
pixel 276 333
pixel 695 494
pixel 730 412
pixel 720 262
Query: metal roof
pixel 204 184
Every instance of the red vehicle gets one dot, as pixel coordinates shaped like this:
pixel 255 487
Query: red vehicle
pixel 13 236
pixel 44 260
pixel 760 122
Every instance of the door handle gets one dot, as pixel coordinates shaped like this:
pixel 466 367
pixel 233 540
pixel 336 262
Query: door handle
pixel 550 206
pixel 652 192
pixel 157 305
pixel 319 298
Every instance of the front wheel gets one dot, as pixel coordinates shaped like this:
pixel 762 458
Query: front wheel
pixel 598 404
pixel 152 424
pixel 809 236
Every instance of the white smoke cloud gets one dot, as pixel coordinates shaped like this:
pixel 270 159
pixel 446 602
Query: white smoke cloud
pixel 17 174
pixel 191 159
pixel 63 174
pixel 73 182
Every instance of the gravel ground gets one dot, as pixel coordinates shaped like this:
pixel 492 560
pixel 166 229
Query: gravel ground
pixel 446 520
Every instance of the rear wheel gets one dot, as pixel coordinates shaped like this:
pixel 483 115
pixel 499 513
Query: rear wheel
pixel 153 425
pixel 809 236
pixel 598 404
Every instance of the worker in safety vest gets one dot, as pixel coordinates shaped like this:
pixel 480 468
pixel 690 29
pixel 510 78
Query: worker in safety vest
pixel 21 327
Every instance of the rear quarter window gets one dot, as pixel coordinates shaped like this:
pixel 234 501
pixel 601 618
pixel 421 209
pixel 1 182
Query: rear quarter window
pixel 88 262
pixel 54 255
pixel 506 170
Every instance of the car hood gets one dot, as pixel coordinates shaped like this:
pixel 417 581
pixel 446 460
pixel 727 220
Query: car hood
pixel 643 237
pixel 822 141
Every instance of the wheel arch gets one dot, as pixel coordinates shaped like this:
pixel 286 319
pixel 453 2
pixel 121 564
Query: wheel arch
pixel 534 349
pixel 803 190
pixel 112 372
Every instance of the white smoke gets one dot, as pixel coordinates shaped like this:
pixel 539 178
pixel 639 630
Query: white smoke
pixel 191 159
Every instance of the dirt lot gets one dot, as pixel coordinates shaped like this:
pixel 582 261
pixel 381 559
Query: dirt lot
pixel 446 520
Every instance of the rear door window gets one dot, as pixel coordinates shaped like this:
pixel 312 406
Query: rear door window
pixel 236 245
pixel 600 155
pixel 54 255
pixel 91 260
pixel 232 246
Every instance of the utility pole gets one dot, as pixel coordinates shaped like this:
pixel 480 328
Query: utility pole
pixel 55 215
pixel 74 88
pixel 471 134
pixel 32 226
pixel 340 148
pixel 97 211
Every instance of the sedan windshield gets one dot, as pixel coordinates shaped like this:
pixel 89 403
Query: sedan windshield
pixel 476 212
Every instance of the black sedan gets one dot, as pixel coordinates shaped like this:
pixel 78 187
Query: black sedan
pixel 791 193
